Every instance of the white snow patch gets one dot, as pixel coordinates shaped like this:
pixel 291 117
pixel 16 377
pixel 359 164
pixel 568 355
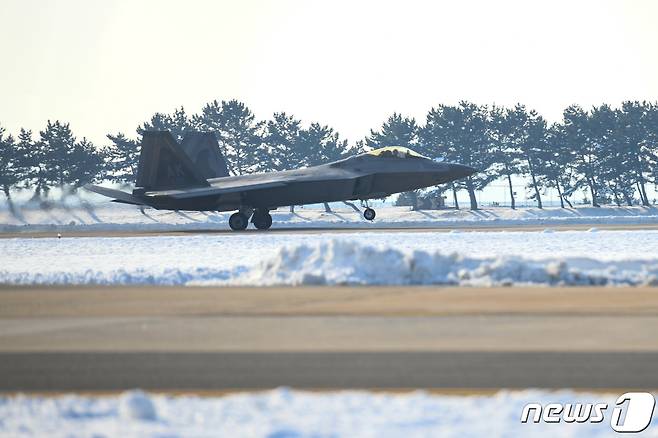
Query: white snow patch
pixel 344 262
pixel 291 413
pixel 136 405
pixel 165 277
pixel 564 257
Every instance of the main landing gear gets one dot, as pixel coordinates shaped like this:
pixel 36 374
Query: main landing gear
pixel 261 219
pixel 238 221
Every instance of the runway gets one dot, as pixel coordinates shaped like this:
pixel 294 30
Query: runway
pixel 205 371
pixel 177 339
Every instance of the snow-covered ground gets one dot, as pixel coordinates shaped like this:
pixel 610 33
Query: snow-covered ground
pixel 465 258
pixel 112 216
pixel 285 413
pixel 562 257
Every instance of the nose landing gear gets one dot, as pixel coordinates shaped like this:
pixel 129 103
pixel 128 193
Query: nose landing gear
pixel 368 213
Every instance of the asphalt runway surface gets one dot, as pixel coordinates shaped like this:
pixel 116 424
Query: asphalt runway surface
pixel 325 370
pixel 204 339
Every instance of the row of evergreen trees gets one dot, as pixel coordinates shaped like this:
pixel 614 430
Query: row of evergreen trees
pixel 611 153
pixel 56 159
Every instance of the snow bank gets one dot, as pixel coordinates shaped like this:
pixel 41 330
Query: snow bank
pixel 164 277
pixel 318 261
pixel 290 413
pixel 345 262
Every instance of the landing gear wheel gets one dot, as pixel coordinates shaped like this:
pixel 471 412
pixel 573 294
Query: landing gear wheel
pixel 369 214
pixel 262 220
pixel 238 222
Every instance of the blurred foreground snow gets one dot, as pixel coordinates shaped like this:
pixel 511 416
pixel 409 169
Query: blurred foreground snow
pixel 291 413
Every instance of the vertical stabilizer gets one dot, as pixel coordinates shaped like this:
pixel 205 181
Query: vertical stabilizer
pixel 164 165
pixel 203 150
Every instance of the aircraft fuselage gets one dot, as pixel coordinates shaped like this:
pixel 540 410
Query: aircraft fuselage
pixel 356 178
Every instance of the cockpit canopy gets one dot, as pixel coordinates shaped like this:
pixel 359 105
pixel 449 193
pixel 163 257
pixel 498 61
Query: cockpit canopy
pixel 395 152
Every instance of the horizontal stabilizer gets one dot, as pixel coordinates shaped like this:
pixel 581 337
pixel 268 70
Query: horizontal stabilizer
pixel 118 195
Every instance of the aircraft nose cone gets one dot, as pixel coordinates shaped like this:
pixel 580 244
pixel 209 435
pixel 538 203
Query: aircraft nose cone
pixel 461 171
pixel 446 172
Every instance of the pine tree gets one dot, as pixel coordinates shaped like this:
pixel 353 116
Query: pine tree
pixel 650 150
pixel 237 132
pixel 176 123
pixel 36 155
pixel 359 147
pixel 636 141
pixel 529 136
pixel 558 170
pixel 122 158
pixel 505 152
pixel 55 147
pixel 614 157
pixel 578 132
pixel 460 134
pixel 180 123
pixel 323 144
pixel 282 138
pixel 86 164
pixel 27 157
pixel 8 174
pixel 60 160
pixel 396 131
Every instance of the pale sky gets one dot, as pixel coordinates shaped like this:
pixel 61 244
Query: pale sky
pixel 106 66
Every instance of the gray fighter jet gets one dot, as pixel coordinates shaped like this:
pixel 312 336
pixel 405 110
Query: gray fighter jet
pixel 193 176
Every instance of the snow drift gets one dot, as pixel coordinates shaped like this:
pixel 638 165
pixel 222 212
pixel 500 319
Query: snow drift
pixel 346 262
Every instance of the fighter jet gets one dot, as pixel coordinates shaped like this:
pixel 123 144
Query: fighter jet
pixel 193 176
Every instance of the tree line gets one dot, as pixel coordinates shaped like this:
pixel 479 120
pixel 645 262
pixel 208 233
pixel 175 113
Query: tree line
pixel 609 153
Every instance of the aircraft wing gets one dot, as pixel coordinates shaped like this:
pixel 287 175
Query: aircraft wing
pixel 213 191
